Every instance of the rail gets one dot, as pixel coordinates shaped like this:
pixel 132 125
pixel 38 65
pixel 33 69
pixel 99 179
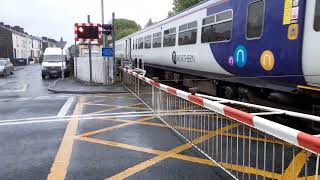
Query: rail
pixel 245 145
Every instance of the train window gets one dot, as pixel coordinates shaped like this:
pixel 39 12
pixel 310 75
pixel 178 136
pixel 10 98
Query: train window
pixel 188 33
pixel 227 15
pixel 140 43
pixel 317 17
pixel 147 42
pixel 255 19
pixel 169 38
pixel 156 40
pixel 209 20
pixel 218 27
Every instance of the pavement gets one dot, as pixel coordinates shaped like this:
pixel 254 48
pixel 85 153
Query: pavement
pixel 73 86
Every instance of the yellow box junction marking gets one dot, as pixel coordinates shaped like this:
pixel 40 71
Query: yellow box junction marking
pixel 296 165
pixel 60 165
pixel 144 165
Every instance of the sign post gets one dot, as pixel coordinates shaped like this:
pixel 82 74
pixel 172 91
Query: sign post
pixel 62 44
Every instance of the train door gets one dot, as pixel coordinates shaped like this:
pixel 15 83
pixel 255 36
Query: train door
pixel 311 54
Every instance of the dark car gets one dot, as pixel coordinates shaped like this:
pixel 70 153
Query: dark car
pixel 21 61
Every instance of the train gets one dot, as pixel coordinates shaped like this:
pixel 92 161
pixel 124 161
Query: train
pixel 260 51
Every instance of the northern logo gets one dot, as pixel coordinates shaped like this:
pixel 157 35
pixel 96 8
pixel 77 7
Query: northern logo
pixel 174 57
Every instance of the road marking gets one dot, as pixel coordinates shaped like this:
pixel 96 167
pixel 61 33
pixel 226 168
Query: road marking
pixel 243 169
pixel 115 127
pixel 296 165
pixel 60 166
pixel 146 164
pixel 6 83
pixel 32 122
pixel 65 108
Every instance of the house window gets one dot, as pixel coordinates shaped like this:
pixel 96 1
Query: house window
pixel 188 33
pixel 255 19
pixel 218 27
pixel 169 38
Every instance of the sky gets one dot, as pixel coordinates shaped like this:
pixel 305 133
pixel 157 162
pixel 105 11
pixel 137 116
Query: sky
pixel 56 18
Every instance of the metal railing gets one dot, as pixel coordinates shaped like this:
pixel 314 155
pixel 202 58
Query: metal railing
pixel 245 145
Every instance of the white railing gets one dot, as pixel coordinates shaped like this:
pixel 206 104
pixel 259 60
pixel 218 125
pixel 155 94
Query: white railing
pixel 245 145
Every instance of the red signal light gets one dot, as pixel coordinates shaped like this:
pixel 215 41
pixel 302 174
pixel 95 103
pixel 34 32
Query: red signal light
pixel 80 29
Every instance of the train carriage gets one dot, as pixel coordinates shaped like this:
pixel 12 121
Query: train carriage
pixel 267 47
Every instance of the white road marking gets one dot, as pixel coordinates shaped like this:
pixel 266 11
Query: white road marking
pixel 81 117
pixel 65 108
pixel 5 83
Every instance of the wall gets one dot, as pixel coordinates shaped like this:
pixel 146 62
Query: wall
pixel 22 44
pixel 6 50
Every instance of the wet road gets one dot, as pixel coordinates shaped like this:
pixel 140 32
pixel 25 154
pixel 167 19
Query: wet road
pixel 29 139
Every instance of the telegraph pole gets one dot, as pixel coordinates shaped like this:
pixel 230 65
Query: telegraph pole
pixel 105 68
pixel 113 45
pixel 90 58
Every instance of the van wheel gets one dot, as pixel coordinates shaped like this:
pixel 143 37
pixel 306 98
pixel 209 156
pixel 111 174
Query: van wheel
pixel 43 77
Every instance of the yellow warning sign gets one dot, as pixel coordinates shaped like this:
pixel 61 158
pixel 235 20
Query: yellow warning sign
pixel 287 12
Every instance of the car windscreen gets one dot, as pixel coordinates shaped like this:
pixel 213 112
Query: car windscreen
pixel 317 16
pixel 54 58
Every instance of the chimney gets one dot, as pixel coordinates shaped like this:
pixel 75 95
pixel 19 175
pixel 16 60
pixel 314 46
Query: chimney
pixel 8 26
pixel 1 23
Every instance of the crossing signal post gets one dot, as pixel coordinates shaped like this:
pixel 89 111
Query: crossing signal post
pixel 88 33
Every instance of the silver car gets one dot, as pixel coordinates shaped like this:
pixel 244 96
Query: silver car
pixel 6 66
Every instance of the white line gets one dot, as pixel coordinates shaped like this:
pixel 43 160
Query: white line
pixel 6 83
pixel 65 108
pixel 31 122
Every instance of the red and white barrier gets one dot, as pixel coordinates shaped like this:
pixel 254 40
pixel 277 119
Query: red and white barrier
pixel 290 135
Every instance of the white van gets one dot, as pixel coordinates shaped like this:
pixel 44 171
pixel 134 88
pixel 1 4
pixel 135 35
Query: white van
pixel 52 63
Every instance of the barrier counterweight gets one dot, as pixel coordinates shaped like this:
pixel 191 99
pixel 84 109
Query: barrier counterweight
pixel 246 146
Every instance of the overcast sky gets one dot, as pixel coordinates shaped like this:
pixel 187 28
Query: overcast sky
pixel 56 18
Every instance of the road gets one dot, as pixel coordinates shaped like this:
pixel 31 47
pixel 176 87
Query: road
pixel 29 139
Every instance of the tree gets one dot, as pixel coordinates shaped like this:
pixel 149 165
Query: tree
pixel 181 5
pixel 125 27
pixel 149 23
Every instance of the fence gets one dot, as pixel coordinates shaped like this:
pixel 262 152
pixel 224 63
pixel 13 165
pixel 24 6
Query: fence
pixel 245 145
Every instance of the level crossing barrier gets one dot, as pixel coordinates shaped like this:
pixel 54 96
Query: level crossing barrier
pixel 245 145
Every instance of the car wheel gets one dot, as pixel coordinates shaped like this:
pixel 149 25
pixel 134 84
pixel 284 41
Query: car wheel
pixel 11 72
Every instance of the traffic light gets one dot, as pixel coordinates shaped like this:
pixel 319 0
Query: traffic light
pixel 88 32
pixel 107 29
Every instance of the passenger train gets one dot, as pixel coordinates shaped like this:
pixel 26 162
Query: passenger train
pixel 244 48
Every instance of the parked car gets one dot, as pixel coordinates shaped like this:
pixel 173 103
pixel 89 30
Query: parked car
pixel 21 61
pixel 6 66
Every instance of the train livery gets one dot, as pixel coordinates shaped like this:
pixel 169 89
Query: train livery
pixel 268 46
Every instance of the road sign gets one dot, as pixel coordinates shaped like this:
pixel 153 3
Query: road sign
pixel 107 52
pixel 62 43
